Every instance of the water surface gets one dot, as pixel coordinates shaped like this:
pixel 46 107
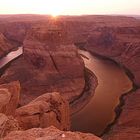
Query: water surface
pixel 10 56
pixel 112 83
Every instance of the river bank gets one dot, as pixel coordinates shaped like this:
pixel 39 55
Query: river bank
pixel 112 83
pixel 125 52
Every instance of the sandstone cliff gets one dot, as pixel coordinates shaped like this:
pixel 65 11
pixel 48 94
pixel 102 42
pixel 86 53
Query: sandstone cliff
pixel 47 67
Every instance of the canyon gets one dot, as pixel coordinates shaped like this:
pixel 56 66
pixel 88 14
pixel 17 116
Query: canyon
pixel 49 78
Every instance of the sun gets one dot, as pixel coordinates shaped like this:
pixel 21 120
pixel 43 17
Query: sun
pixel 55 14
pixel 53 9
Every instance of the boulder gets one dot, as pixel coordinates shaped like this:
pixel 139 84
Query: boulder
pixel 46 110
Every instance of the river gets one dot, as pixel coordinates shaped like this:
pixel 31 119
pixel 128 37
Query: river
pixel 10 56
pixel 112 84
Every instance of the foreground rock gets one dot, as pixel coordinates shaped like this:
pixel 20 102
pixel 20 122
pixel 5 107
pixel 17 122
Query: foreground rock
pixel 50 133
pixel 9 97
pixel 48 64
pixel 5 46
pixel 7 124
pixel 46 110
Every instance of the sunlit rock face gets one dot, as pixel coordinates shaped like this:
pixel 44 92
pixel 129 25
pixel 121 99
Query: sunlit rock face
pixel 46 67
pixel 49 134
pixel 46 110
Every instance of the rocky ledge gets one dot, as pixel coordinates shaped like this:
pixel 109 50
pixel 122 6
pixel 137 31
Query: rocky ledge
pixel 50 133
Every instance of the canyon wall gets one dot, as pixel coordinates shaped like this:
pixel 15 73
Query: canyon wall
pixel 5 46
pixel 122 45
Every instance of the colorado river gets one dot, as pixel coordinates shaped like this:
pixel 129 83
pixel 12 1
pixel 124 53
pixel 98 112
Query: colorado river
pixel 10 56
pixel 112 83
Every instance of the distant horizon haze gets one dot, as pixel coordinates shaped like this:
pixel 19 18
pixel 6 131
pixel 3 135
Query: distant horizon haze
pixel 72 7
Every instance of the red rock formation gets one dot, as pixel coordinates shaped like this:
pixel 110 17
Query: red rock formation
pixel 46 110
pixel 9 97
pixel 15 31
pixel 122 47
pixel 49 134
pixel 46 67
pixel 5 46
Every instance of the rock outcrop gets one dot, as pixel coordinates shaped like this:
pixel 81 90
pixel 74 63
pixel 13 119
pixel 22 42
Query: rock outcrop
pixel 49 133
pixel 7 124
pixel 47 67
pixel 9 97
pixel 15 31
pixel 46 110
pixel 5 46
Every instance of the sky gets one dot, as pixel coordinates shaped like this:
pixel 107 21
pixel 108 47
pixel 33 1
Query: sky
pixel 70 7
